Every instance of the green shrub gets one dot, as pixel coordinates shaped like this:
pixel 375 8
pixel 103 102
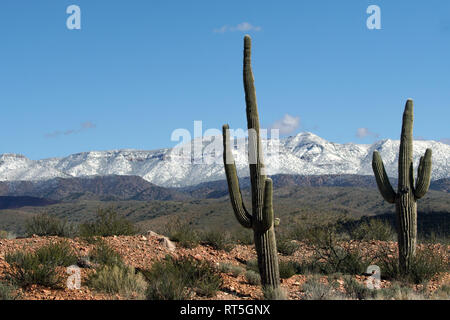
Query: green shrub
pixel 286 246
pixel 122 280
pixel 252 265
pixel 231 268
pixel 356 290
pixel 8 291
pixel 107 223
pixel 166 286
pixel 373 229
pixel 253 277
pixel 424 266
pixel 314 289
pixel 46 225
pixel 57 254
pixel 243 236
pixel 442 293
pixel 26 269
pixel 273 294
pixel 398 291
pixel 104 255
pixel 331 255
pixel 182 232
pixel 217 239
pixel 287 269
pixel 7 235
pixel 173 279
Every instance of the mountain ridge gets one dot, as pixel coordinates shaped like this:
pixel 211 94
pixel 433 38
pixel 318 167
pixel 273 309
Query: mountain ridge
pixel 303 154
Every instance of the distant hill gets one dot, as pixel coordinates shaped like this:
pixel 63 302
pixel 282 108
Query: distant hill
pixel 115 188
pixel 19 202
pixel 441 185
pixel 104 188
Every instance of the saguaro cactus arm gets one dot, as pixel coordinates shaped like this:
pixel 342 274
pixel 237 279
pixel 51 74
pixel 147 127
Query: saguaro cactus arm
pixel 405 159
pixel 382 178
pixel 241 213
pixel 267 217
pixel 249 87
pixel 423 175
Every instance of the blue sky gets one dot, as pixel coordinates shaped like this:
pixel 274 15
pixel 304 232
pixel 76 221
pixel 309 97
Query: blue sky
pixel 139 69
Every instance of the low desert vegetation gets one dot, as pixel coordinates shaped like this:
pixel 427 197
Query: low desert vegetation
pixel 8 291
pixel 27 269
pixel 426 264
pixel 107 223
pixel 102 254
pixel 39 267
pixel 253 277
pixel 286 246
pixel 182 232
pixel 217 239
pixel 373 229
pixel 178 279
pixel 287 269
pixel 232 269
pixel 7 235
pixel 112 275
pixel 45 225
pixel 317 289
pixel 119 279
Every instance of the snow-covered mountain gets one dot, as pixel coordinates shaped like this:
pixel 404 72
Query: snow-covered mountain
pixel 304 154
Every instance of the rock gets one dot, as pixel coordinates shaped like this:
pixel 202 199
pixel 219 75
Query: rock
pixel 144 238
pixel 151 233
pixel 166 243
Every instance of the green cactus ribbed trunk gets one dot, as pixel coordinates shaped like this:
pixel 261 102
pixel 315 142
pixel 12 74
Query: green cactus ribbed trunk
pixel 261 220
pixel 408 191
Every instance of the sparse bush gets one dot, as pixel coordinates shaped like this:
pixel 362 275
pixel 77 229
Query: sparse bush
pixel 286 246
pixel 398 291
pixel 122 280
pixel 231 268
pixel 287 269
pixel 45 225
pixel 217 239
pixel 108 223
pixel 331 255
pixel 57 254
pixel 243 237
pixel 166 286
pixel 27 269
pixel 253 277
pixel 8 291
pixel 7 235
pixel 173 279
pixel 374 229
pixel 356 290
pixel 252 265
pixel 182 232
pixel 442 293
pixel 424 266
pixel 104 255
pixel 314 289
pixel 274 294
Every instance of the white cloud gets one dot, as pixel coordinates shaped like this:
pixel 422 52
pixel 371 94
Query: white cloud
pixel 242 27
pixel 364 132
pixel 287 124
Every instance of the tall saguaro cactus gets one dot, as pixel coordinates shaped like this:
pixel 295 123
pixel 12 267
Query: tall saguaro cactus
pixel 261 220
pixel 408 192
